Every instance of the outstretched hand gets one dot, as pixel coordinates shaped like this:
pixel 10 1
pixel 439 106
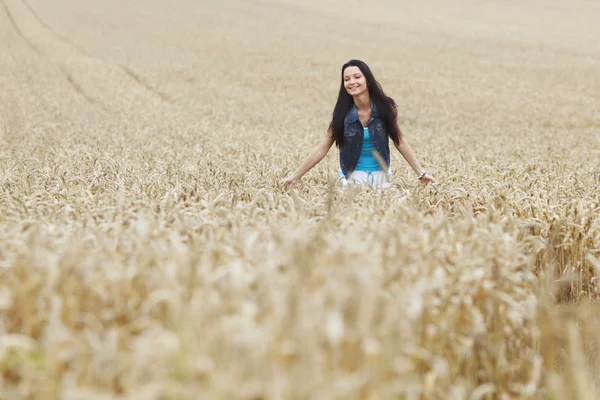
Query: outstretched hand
pixel 426 179
pixel 289 181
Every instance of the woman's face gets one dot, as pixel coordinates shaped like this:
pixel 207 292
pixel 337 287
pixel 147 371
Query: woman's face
pixel 354 81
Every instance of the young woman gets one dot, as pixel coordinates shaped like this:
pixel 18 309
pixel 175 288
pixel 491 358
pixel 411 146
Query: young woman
pixel 364 119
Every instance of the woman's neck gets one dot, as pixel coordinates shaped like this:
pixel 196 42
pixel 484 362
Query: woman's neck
pixel 363 101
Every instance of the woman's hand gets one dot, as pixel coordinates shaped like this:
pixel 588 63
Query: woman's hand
pixel 289 181
pixel 425 179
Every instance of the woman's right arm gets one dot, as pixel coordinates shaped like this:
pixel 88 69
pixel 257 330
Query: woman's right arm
pixel 315 156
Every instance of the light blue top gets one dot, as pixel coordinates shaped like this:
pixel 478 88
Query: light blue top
pixel 367 161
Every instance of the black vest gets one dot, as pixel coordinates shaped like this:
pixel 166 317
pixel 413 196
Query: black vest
pixel 353 139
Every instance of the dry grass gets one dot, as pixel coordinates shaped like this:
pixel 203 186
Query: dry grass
pixel 147 252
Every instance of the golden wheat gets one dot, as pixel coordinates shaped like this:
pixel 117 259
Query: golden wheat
pixel 148 252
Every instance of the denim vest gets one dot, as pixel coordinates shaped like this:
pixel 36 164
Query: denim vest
pixel 353 139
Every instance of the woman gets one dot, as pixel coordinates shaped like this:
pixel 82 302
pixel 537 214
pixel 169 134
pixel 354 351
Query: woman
pixel 364 118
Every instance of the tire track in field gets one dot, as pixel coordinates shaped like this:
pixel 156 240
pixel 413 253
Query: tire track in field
pixel 45 24
pixel 142 81
pixel 17 29
pixel 128 71
pixel 109 86
pixel 76 87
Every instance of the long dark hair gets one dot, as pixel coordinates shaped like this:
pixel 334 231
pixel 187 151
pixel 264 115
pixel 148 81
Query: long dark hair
pixel 386 106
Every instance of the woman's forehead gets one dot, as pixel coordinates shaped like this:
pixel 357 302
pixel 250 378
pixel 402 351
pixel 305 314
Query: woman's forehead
pixel 351 70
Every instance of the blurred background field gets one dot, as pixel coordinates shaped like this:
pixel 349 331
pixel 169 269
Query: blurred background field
pixel 148 252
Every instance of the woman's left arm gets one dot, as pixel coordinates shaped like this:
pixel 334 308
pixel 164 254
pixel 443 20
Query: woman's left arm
pixel 410 157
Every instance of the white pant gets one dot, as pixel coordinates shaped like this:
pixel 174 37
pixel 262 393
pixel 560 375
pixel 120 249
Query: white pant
pixel 376 179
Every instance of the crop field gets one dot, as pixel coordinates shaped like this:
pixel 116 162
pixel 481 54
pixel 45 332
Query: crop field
pixel 148 250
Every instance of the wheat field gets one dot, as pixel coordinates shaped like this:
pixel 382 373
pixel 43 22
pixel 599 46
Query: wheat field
pixel 148 251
